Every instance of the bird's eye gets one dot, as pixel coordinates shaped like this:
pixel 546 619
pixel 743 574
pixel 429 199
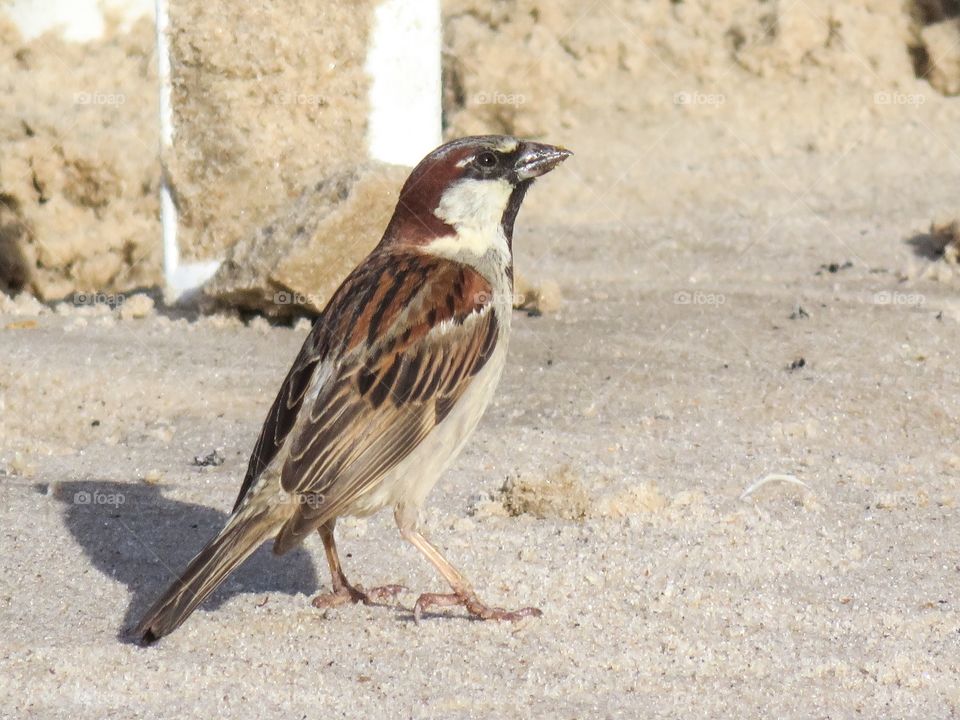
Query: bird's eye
pixel 487 160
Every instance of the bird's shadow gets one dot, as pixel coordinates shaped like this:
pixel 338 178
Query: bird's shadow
pixel 135 535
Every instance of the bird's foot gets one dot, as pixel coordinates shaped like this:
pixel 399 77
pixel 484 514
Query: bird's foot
pixel 473 606
pixel 350 594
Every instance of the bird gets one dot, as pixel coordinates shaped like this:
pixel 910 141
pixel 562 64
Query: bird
pixel 389 384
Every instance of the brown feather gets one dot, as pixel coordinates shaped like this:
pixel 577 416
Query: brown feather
pixel 390 389
pixel 242 535
pixel 280 418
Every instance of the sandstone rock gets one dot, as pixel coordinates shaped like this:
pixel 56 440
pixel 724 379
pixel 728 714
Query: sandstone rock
pixel 942 43
pixel 293 264
pixel 265 96
pixel 136 307
pixel 79 172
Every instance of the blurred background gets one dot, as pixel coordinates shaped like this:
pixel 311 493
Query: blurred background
pixel 674 107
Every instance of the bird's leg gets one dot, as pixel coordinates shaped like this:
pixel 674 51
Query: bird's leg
pixel 343 591
pixel 463 593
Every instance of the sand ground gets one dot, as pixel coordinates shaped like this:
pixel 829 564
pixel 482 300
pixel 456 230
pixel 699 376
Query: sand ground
pixel 630 422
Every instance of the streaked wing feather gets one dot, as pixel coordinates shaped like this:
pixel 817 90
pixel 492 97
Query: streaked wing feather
pixel 283 413
pixel 334 332
pixel 390 389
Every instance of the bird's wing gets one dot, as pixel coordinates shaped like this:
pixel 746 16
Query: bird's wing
pixel 398 345
pixel 283 413
pixel 333 334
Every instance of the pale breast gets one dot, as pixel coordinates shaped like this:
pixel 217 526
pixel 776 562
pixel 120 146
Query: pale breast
pixel 413 478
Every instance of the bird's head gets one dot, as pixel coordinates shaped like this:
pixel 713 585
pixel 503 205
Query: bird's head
pixel 463 197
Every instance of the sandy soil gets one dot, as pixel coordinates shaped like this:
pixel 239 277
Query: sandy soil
pixel 627 427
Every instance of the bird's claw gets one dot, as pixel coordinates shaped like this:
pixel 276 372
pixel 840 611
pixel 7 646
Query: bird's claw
pixel 351 594
pixel 384 592
pixel 473 606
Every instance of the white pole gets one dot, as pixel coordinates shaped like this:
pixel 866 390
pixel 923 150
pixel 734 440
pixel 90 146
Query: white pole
pixel 168 211
pixel 403 63
pixel 180 278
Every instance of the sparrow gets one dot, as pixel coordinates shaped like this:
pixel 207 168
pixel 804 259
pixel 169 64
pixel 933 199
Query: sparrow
pixel 389 384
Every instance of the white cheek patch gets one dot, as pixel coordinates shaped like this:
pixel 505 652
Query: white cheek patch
pixel 475 209
pixel 474 204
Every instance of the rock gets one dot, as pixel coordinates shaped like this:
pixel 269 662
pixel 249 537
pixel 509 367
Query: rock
pixel 537 68
pixel 946 240
pixel 153 477
pixel 266 96
pixel 292 265
pixel 559 493
pixel 22 304
pixel 79 172
pixel 549 299
pixel 136 307
pixel 213 458
pixel 942 43
pixel 536 299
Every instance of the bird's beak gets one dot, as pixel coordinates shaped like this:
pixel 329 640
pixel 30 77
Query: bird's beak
pixel 537 159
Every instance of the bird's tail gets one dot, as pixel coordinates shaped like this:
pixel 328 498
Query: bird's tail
pixel 243 534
